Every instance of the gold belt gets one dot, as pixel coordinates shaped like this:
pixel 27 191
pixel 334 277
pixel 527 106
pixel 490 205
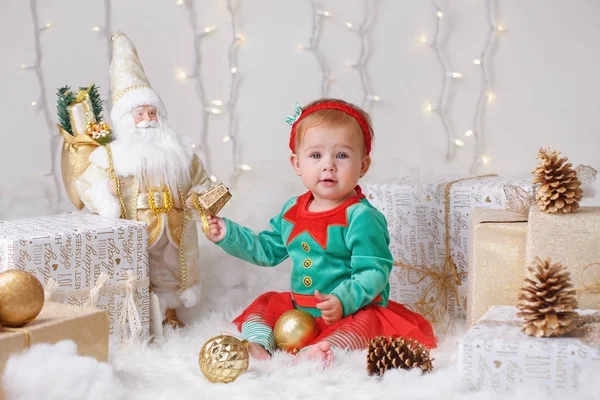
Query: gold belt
pixel 159 201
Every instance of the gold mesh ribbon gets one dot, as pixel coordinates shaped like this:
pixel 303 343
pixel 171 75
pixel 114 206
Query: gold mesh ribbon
pixel 115 179
pixel 443 281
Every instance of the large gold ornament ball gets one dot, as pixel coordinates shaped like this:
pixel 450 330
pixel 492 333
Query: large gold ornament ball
pixel 294 330
pixel 223 358
pixel 21 297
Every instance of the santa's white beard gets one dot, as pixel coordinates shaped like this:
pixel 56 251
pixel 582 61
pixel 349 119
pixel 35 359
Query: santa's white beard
pixel 159 155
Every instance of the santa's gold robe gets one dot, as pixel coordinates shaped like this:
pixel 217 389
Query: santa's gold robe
pixel 172 238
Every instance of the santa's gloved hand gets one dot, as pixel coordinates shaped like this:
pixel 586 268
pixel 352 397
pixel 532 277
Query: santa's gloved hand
pixel 111 185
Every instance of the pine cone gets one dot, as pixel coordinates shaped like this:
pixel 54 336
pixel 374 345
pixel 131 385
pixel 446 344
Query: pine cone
pixel 559 189
pixel 547 300
pixel 384 354
pixel 413 354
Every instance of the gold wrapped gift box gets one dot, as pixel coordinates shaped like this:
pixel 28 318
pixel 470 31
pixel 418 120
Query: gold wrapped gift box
pixel 574 241
pixel 87 327
pixel 497 262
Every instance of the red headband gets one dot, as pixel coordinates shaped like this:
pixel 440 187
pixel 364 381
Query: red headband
pixel 334 105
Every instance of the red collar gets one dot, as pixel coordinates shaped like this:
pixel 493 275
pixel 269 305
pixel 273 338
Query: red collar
pixel 316 223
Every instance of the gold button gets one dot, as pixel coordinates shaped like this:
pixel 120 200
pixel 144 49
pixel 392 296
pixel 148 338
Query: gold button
pixel 307 281
pixel 307 263
pixel 305 246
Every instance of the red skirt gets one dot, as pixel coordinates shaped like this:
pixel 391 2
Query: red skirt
pixel 352 332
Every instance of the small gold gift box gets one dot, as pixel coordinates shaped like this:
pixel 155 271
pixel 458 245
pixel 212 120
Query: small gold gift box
pixel 214 199
pixel 497 260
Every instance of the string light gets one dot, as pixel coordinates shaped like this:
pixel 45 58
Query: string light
pixel 181 74
pixel 360 64
pixel 95 29
pixel 107 38
pixel 314 46
pixel 440 107
pixel 55 196
pixel 237 39
pixel 485 93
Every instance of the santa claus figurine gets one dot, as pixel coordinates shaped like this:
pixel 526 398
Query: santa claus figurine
pixel 157 174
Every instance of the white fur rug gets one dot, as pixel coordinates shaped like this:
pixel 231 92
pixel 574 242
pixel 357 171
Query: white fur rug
pixel 168 368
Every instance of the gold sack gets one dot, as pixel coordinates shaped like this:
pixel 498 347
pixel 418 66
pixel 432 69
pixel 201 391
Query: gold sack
pixel 74 161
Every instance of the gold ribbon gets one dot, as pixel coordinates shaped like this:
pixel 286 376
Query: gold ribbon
pixel 441 283
pixel 594 286
pixel 24 331
pixel 443 280
pixel 202 212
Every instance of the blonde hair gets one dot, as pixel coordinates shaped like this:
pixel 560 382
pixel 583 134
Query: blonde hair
pixel 332 118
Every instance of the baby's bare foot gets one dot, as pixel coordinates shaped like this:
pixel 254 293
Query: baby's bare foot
pixel 258 352
pixel 321 351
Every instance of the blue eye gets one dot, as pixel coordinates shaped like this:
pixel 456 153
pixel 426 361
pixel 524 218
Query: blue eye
pixel 315 155
pixel 342 155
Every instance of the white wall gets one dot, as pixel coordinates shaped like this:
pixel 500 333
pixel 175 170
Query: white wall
pixel 544 72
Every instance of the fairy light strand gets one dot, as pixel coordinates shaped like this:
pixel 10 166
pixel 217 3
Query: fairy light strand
pixel 190 6
pixel 485 93
pixel 236 40
pixel 361 64
pixel 314 46
pixel 447 76
pixel 42 103
pixel 107 37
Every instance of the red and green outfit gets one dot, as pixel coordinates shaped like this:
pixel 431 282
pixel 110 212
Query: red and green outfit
pixel 344 252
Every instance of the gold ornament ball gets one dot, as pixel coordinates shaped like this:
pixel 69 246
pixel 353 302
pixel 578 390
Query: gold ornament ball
pixel 97 127
pixel 223 358
pixel 294 330
pixel 89 130
pixel 105 127
pixel 21 297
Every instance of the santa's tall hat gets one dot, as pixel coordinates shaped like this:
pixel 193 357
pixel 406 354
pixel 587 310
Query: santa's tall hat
pixel 129 85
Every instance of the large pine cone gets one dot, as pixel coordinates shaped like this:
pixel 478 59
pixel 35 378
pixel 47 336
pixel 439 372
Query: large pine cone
pixel 386 353
pixel 559 189
pixel 413 354
pixel 547 300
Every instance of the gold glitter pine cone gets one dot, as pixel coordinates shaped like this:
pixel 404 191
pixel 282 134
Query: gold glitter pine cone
pixel 386 353
pixel 559 189
pixel 547 300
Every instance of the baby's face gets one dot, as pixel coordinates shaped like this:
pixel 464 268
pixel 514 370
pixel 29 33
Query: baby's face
pixel 331 161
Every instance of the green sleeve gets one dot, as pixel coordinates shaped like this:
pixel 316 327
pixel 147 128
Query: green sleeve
pixel 371 261
pixel 266 248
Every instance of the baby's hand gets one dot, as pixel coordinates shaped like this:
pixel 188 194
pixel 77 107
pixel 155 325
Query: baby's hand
pixel 216 229
pixel 330 306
